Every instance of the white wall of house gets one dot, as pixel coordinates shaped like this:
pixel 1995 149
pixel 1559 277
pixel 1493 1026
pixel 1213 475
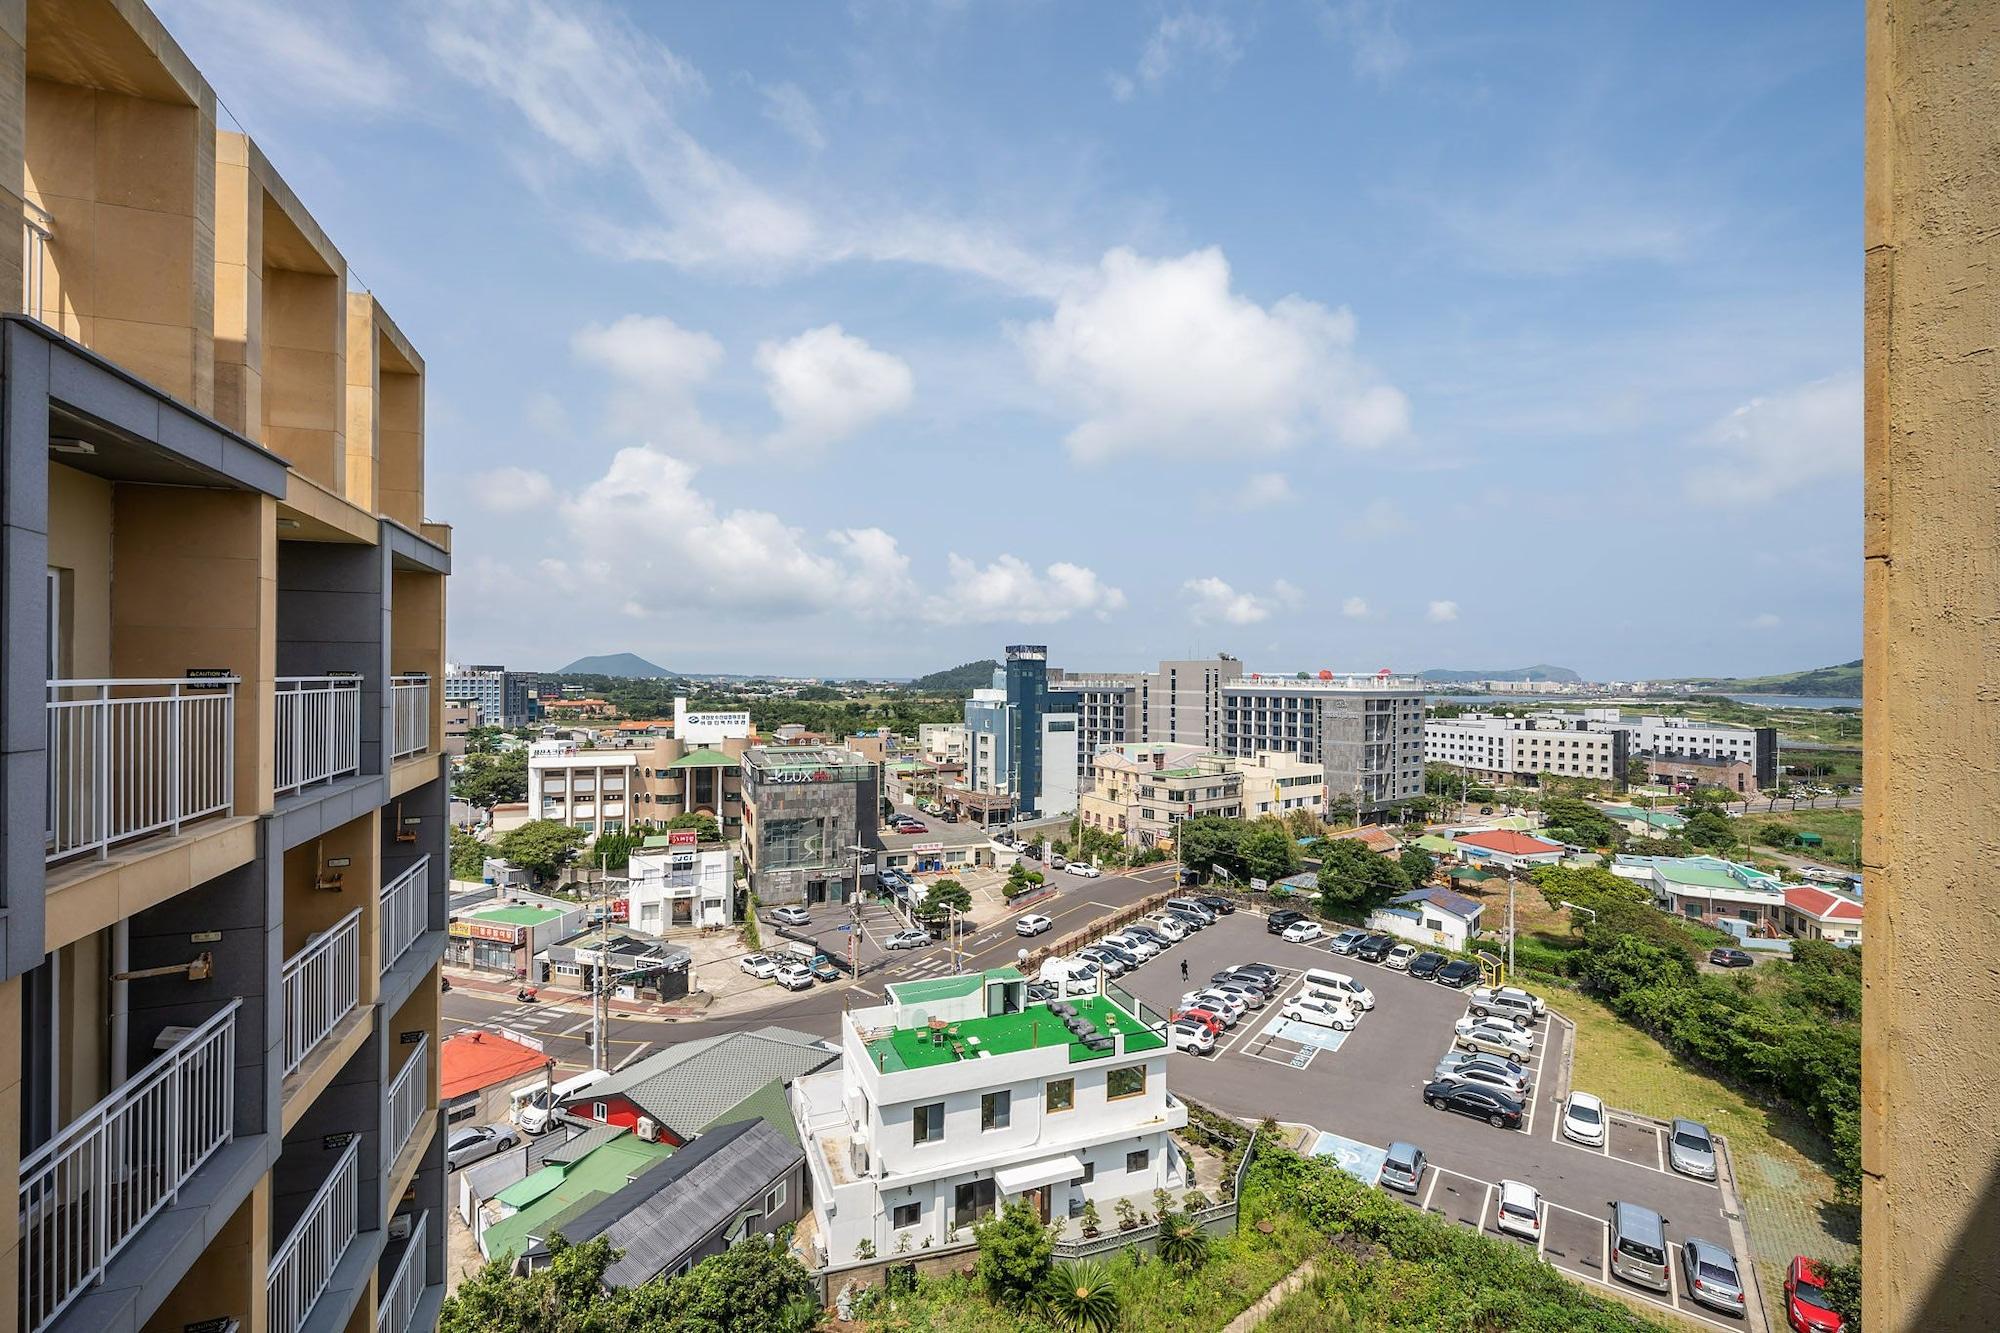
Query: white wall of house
pixel 681 888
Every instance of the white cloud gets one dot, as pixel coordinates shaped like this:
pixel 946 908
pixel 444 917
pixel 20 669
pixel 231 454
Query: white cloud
pixel 1766 620
pixel 1442 613
pixel 656 367
pixel 1177 39
pixel 1211 599
pixel 302 53
pixel 827 384
pixel 1781 443
pixel 512 490
pixel 1009 589
pixel 1378 519
pixel 1355 608
pixel 787 106
pixel 1368 29
pixel 1570 216
pixel 1263 489
pixel 1161 356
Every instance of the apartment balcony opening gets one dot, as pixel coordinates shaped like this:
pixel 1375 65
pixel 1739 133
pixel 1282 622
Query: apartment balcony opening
pixel 330 978
pixel 328 725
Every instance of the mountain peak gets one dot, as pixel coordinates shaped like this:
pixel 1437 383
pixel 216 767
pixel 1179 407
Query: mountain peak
pixel 616 664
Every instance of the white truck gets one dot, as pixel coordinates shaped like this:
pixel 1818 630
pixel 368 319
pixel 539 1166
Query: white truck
pixel 1071 976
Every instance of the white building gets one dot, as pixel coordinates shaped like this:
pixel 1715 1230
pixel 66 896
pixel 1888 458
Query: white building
pixel 1707 887
pixel 585 789
pixel 1277 784
pixel 677 883
pixel 958 1096
pixel 941 744
pixel 1507 748
pixel 1430 916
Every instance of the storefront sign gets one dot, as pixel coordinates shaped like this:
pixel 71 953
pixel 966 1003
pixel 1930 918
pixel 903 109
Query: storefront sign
pixel 483 930
pixel 923 847
pixel 682 837
pixel 799 775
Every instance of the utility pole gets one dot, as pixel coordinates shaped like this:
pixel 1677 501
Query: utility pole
pixel 1510 925
pixel 603 948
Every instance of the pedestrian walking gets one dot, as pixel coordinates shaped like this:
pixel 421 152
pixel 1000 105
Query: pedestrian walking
pixel 1183 969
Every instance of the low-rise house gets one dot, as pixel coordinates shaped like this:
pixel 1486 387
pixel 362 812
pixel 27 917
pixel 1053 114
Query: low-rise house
pixel 958 1096
pixel 675 882
pixel 636 967
pixel 1699 887
pixel 1430 916
pixel 681 1092
pixel 1507 849
pixel 505 934
pixel 942 847
pixel 518 1220
pixel 1374 837
pixel 1814 913
pixel 1642 823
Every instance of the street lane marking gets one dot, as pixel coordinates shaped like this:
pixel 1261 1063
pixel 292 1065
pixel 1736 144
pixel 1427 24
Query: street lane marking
pixel 637 1051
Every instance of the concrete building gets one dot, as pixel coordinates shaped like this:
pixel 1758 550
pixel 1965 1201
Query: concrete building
pixel 810 821
pixel 678 883
pixel 629 965
pixel 1277 784
pixel 1142 791
pixel 1490 748
pixel 641 780
pixel 505 697
pixel 1430 917
pixel 1814 913
pixel 1684 773
pixel 223 637
pixel 1021 737
pixel 959 1096
pixel 461 718
pixel 505 935
pixel 1707 887
pixel 941 744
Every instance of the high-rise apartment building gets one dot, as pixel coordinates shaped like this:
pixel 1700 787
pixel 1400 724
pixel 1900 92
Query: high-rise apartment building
pixel 506 698
pixel 1022 737
pixel 225 853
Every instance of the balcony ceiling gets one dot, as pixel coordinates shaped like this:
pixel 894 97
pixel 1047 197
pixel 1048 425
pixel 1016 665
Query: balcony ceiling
pixel 117 456
pixel 91 44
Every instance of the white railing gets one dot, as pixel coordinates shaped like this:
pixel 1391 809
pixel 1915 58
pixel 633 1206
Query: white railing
pixel 132 757
pixel 87 1191
pixel 38 228
pixel 411 695
pixel 318 727
pixel 406 1288
pixel 409 1098
pixel 322 986
pixel 405 910
pixel 304 1264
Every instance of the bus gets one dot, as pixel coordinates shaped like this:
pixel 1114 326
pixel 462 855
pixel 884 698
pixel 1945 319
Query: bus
pixel 532 1106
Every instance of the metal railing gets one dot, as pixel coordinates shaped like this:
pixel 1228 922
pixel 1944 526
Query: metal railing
pixel 405 910
pixel 400 1297
pixel 322 986
pixel 38 228
pixel 304 1264
pixel 87 1191
pixel 411 695
pixel 407 1101
pixel 318 728
pixel 133 757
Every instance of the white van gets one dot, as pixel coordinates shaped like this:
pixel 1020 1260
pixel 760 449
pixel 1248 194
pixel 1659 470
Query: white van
pixel 1070 976
pixel 536 1111
pixel 1338 986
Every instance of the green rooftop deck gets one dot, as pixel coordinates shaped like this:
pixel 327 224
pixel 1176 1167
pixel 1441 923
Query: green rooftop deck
pixel 1006 1034
pixel 516 916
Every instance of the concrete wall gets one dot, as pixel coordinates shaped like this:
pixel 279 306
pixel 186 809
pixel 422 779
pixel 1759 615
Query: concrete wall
pixel 1931 729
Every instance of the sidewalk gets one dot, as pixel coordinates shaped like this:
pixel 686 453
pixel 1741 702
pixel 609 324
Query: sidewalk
pixel 502 988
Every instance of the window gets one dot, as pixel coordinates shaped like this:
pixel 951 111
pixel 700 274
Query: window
pixel 1062 1094
pixel 600 1112
pixel 1135 1162
pixel 906 1215
pixel 775 1199
pixel 927 1123
pixel 996 1110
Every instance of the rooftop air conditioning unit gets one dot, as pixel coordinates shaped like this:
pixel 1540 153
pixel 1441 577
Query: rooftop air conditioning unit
pixel 649 1129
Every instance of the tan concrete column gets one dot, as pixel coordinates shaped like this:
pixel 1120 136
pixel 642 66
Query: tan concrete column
pixel 1931 648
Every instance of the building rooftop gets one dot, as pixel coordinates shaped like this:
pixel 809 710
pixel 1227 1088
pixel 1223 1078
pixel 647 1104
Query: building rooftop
pixel 469 1061
pixel 515 916
pixel 1823 904
pixel 1703 872
pixel 1445 901
pixel 1508 842
pixel 689 1084
pixel 560 1187
pixel 1032 1028
pixel 705 759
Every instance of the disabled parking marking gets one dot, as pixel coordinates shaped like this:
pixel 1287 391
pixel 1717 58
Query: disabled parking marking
pixel 1361 1160
pixel 1305 1034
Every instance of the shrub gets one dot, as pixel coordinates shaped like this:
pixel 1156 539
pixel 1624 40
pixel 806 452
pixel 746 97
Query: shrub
pixel 1079 1298
pixel 1182 1241
pixel 1014 1253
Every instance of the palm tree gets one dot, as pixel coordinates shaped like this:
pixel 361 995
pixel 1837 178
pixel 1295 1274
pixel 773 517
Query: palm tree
pixel 1078 1298
pixel 1182 1242
pixel 801 1314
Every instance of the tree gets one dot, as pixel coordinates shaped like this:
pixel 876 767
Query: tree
pixel 1014 1252
pixel 1578 821
pixel 1636 773
pixel 737 1291
pixel 1305 823
pixel 1079 1298
pixel 1711 829
pixel 568 1296
pixel 1418 864
pixel 1267 851
pixel 468 856
pixel 945 894
pixel 490 780
pixel 1182 1242
pixel 1210 842
pixel 613 851
pixel 1341 810
pixel 704 826
pixel 1354 878
pixel 542 847
pixel 1843 1291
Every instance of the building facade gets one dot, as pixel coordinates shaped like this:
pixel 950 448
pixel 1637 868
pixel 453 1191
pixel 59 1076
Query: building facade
pixel 225 866
pixel 1142 792
pixel 1277 784
pixel 1022 738
pixel 681 884
pixel 506 698
pixel 811 820
pixel 1494 748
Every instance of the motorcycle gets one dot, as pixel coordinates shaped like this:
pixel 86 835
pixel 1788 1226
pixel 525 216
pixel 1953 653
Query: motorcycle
pixel 446 986
pixel 526 995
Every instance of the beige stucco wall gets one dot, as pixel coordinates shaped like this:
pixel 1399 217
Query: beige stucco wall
pixel 80 511
pixel 1931 741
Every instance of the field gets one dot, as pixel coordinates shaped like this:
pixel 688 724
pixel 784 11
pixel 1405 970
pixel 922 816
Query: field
pixel 1841 830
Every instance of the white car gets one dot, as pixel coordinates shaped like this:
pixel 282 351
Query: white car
pixel 1166 925
pixel 1518 1211
pixel 1338 986
pixel 757 965
pixel 907 939
pixel 1583 1119
pixel 1231 1005
pixel 1399 958
pixel 1302 932
pixel 1322 1013
pixel 1079 868
pixel 1032 924
pixel 794 976
pixel 1135 944
pixel 1502 1038
pixel 1192 1035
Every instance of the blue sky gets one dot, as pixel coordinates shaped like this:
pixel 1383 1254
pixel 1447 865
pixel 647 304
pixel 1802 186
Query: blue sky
pixel 868 338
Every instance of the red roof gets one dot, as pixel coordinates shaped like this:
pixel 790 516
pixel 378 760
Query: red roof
pixel 1509 842
pixel 1817 902
pixel 1374 836
pixel 469 1061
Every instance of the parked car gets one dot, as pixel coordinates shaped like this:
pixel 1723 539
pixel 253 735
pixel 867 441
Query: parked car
pixel 1113 965
pixel 824 970
pixel 908 825
pixel 1218 904
pixel 1711 1276
pixel 1338 986
pixel 1402 1167
pixel 1083 869
pixel 1489 1072
pixel 791 916
pixel 1583 1119
pixel 1425 965
pixel 1457 974
pixel 1231 1007
pixel 1691 1150
pixel 1456 1059
pixel 795 976
pixel 757 965
pixel 1806 1307
pixel 1474 1035
pixel 1058 861
pixel 1509 1000
pixel 1263 970
pixel 1398 958
pixel 1151 930
pixel 1139 945
pixel 1276 923
pixel 1374 949
pixel 1347 941
pixel 1192 920
pixel 1215 1021
pixel 1493 1106
pixel 1518 1211
pixel 1033 923
pixel 1321 1013
pixel 476 1143
pixel 907 939
pixel 1162 924
pixel 1731 958
pixel 1120 952
pixel 1250 993
pixel 1639 1246
pixel 1302 932
pixel 1192 1035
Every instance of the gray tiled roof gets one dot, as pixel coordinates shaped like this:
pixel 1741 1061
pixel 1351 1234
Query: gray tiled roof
pixel 688 1085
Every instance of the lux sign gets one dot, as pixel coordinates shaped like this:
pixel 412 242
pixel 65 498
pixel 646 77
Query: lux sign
pixel 801 775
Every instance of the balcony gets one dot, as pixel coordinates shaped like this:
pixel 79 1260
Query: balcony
pixel 411 695
pixel 86 1192
pixel 304 1264
pixel 408 1099
pixel 402 1292
pixel 318 727
pixel 405 911
pixel 128 758
pixel 322 986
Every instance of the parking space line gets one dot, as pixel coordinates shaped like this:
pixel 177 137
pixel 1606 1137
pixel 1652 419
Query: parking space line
pixel 1542 1231
pixel 1673 1288
pixel 1436 1171
pixel 1659 1148
pixel 1485 1202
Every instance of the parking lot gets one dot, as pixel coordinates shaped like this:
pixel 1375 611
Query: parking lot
pixel 1366 1088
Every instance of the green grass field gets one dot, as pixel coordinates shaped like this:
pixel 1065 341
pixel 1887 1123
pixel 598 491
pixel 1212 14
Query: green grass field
pixel 1840 830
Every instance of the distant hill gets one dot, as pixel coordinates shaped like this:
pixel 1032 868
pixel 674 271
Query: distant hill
pixel 1833 682
pixel 1552 673
pixel 616 664
pixel 962 679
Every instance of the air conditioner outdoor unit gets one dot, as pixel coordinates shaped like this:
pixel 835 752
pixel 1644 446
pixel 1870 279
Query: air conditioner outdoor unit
pixel 649 1129
pixel 399 1227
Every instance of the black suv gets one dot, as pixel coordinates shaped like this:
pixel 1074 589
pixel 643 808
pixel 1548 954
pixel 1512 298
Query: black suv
pixel 1375 948
pixel 1457 974
pixel 1276 923
pixel 1425 965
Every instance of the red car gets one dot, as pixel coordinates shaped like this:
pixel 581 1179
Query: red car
pixel 1805 1299
pixel 1208 1016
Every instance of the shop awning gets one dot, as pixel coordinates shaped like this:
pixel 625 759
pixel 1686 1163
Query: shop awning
pixel 1014 1179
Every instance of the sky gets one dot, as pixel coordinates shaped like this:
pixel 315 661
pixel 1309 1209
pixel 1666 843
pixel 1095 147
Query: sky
pixel 868 338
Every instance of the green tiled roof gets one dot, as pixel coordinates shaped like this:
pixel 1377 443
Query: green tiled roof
pixel 1006 1034
pixel 556 1189
pixel 768 1104
pixel 936 988
pixel 517 916
pixel 1431 842
pixel 706 759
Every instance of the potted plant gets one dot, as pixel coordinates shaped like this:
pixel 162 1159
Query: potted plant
pixel 1092 1222
pixel 1128 1216
pixel 864 1248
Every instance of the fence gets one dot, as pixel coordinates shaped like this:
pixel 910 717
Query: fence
pixel 408 1100
pixel 322 985
pixel 411 726
pixel 398 1305
pixel 405 910
pixel 132 757
pixel 304 1264
pixel 1097 930
pixel 87 1191
pixel 317 729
